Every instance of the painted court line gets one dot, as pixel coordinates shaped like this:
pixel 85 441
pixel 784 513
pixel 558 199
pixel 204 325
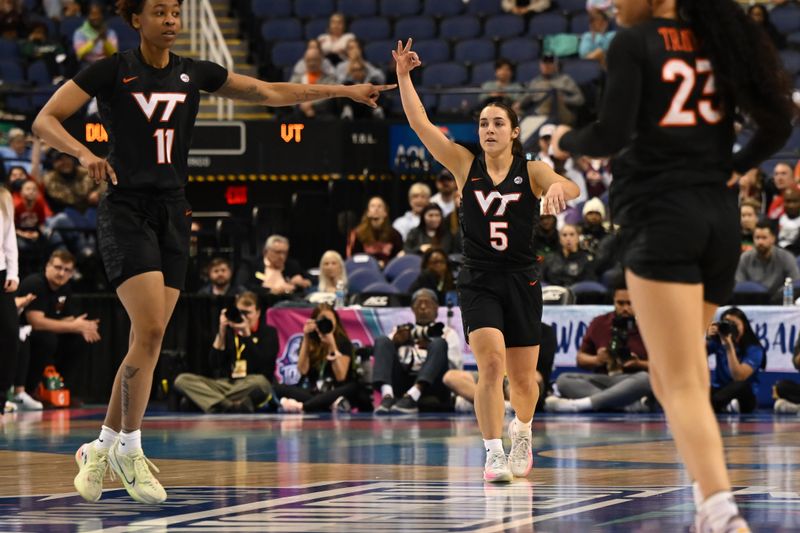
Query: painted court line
pixel 549 516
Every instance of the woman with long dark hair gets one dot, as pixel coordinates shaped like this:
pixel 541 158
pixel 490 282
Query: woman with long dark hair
pixel 758 13
pixel 375 235
pixel 435 274
pixel 9 280
pixel 740 359
pixel 432 232
pixel 499 291
pixel 678 73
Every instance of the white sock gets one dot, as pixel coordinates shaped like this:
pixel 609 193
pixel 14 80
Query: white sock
pixel 415 393
pixel 719 509
pixel 697 495
pixel 387 390
pixel 130 442
pixel 493 445
pixel 106 439
pixel 522 426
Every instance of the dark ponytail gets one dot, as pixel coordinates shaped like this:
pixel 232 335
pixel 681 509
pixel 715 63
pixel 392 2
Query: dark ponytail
pixel 748 71
pixel 516 145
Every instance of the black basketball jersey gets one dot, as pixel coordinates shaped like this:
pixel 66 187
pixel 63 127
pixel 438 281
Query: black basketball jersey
pixel 149 114
pixel 498 221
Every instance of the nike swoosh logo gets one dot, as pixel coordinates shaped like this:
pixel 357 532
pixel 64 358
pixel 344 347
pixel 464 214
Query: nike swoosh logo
pixel 128 80
pixel 128 481
pixel 533 283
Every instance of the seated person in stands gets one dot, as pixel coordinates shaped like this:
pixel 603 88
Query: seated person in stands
pixel 446 192
pixel 280 274
pixel 740 359
pixel 414 358
pixel 355 52
pixel 314 75
pixel 357 72
pixel 525 7
pixel 787 392
pixel 299 68
pixel 613 354
pixel 39 47
pixel 419 196
pixel 333 43
pixel 464 383
pixel 766 263
pixel 594 43
pixel 749 211
pixel 789 223
pixel 30 217
pixel 592 230
pixel 435 274
pixel 220 278
pixel 570 264
pixel 325 363
pixel 498 89
pixel 546 236
pixel 375 235
pixel 782 179
pixel 60 334
pixel 432 232
pixel 242 362
pixel 331 273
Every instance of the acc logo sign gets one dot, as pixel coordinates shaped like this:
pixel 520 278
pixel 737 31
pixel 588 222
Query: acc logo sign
pixel 291 132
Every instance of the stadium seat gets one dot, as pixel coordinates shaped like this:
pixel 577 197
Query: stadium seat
pixel 547 24
pixel 459 28
pixel 282 30
pixel 504 26
pixel 444 75
pixel 791 61
pixel 371 29
pixel 557 295
pixel 432 51
pixel 38 73
pixel 583 71
pixel 750 293
pixel 481 72
pixel 572 6
pixel 457 104
pixel 316 27
pixel 579 23
pixel 443 8
pixel 379 52
pixel 520 49
pixel 484 8
pixel 10 71
pixel 474 51
pixel 68 26
pixel 361 262
pixel 421 27
pixel 286 54
pixel 786 18
pixel 8 49
pixel 399 8
pixel 527 71
pixel 358 8
pixel 380 287
pixel 359 280
pixel 314 8
pixel 406 278
pixel 589 292
pixel 128 37
pixel 398 265
pixel 267 9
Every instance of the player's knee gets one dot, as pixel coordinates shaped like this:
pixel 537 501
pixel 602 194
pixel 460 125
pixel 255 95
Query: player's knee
pixel 149 336
pixel 450 378
pixel 492 368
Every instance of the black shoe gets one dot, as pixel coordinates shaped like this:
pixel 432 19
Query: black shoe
pixel 341 405
pixel 406 405
pixel 244 406
pixel 386 405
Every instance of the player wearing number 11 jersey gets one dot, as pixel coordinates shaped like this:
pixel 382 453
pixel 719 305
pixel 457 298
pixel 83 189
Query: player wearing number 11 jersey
pixel 148 100
pixel 678 73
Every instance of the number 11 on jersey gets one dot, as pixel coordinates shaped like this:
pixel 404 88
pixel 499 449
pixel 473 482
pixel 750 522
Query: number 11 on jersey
pixel 164 140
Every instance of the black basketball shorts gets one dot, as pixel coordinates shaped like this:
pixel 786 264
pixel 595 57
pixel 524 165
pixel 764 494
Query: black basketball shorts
pixel 144 232
pixel 690 235
pixel 508 301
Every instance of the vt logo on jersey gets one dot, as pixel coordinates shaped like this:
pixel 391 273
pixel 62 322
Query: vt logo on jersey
pixel 165 137
pixel 486 201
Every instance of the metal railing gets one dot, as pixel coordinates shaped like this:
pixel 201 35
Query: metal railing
pixel 208 42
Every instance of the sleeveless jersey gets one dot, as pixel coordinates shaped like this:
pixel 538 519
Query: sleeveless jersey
pixel 498 221
pixel 149 115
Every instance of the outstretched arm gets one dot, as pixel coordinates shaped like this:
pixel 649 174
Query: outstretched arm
pixel 553 188
pixel 248 89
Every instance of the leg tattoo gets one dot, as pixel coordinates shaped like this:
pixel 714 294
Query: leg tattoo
pixel 128 372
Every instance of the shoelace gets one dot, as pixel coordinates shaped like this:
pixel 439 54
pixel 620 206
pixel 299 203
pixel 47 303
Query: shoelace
pixel 97 469
pixel 522 448
pixel 142 466
pixel 498 460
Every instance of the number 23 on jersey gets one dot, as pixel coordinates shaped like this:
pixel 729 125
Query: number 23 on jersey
pixel 679 113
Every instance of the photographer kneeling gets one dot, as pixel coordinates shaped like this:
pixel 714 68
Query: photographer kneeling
pixel 415 357
pixel 613 350
pixel 740 358
pixel 242 359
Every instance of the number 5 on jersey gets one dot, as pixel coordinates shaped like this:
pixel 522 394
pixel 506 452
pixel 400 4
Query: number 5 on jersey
pixel 678 115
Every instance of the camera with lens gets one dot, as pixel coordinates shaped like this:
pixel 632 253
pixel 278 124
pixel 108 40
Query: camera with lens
pixel 324 325
pixel 726 328
pixel 621 328
pixel 417 332
pixel 233 314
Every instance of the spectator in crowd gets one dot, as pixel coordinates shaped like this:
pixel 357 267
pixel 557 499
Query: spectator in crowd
pixel 314 75
pixel 56 9
pixel 355 52
pixel 334 42
pixel 613 354
pixel 766 263
pixel 595 175
pixel 502 87
pixel 546 236
pixel 787 392
pixel 242 362
pixel 19 154
pixel 299 69
pixel 545 135
pixel 431 233
pixel 419 195
pixel 446 191
pixel 751 187
pixel 9 280
pixel 12 19
pixel 748 215
pixel 525 7
pixel 414 358
pixel 94 40
pixel 331 272
pixel 464 383
pixel 374 235
pixel 60 335
pixel 789 223
pixel 782 179
pixel 435 274
pixel 325 363
pixel 552 94
pixel 281 275
pixel 357 73
pixel 220 279
pixel 30 216
pixel 570 264
pixel 592 230
pixel 740 359
pixel 39 47
pixel 594 43
pixel 758 13
pixel 603 5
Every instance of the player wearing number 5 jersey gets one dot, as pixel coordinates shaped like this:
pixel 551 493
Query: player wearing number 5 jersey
pixel 148 100
pixel 500 296
pixel 677 75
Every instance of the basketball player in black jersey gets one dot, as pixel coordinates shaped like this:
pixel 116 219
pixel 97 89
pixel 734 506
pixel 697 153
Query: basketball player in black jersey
pixel 148 100
pixel 499 291
pixel 677 74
